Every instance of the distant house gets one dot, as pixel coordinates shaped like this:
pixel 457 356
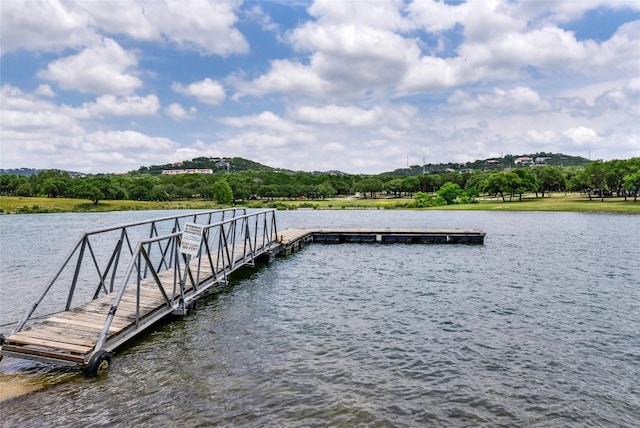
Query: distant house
pixel 523 161
pixel 542 160
pixel 491 162
pixel 186 171
pixel 222 163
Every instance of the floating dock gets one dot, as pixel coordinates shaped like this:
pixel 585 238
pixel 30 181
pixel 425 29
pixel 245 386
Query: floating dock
pixel 112 296
pixel 293 239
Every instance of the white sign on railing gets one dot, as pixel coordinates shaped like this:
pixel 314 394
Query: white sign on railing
pixel 191 239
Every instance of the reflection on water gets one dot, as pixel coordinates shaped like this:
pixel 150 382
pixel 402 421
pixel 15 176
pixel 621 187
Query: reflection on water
pixel 537 327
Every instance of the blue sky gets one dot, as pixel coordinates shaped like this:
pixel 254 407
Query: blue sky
pixel 361 86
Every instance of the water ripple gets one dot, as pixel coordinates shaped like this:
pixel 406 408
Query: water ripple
pixel 518 332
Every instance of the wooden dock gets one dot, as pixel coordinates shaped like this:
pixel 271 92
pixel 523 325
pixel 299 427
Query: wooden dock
pixel 84 336
pixel 70 337
pixel 293 239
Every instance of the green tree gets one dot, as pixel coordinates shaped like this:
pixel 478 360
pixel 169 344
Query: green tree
pixel 631 183
pixel 512 184
pixel 528 182
pixel 371 185
pixel 472 193
pixel 424 200
pixel 87 189
pixel 53 187
pixel 476 181
pixel 615 171
pixel 222 192
pixel 430 182
pixel 142 188
pixel 341 186
pixel 325 189
pixel 51 182
pixel 449 192
pixel 550 178
pixel 496 184
pixel 410 185
pixel 241 191
pixel 24 189
pixel 592 179
pixel 240 185
pixel 10 183
pixel 394 186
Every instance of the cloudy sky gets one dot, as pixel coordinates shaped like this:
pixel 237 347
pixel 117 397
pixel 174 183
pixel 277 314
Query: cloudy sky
pixel 362 86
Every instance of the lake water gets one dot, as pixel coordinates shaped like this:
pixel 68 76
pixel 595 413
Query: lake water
pixel 537 327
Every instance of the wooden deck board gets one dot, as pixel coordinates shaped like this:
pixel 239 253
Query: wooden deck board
pixel 82 322
pixel 22 339
pixel 70 328
pixel 59 335
pixel 51 353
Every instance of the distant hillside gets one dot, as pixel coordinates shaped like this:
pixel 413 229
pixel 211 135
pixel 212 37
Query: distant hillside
pixel 492 164
pixel 27 172
pixel 241 164
pixel 215 164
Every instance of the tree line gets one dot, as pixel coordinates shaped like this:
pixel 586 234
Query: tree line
pixel 599 179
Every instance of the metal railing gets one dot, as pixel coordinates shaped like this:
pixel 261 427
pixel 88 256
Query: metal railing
pixel 148 252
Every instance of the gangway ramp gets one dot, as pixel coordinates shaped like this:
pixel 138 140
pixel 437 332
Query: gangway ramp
pixel 158 279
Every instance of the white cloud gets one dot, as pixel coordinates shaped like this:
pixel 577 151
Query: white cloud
pixel 109 151
pixel 619 53
pixel 562 11
pixel 286 77
pixel 130 105
pixel 435 16
pixel 337 115
pixel 46 25
pixel 23 114
pixel 257 14
pixel 540 137
pixel 581 135
pixel 128 141
pixel 207 91
pixel 266 120
pixel 384 14
pixel 178 113
pixel 519 99
pixel 99 69
pixel 45 91
pixel 429 73
pixel 131 18
pixel 361 48
pixel 40 134
pixel 352 46
pixel 205 26
pixel 116 151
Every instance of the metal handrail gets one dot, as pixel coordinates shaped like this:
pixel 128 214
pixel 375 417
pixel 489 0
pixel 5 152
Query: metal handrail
pixel 228 233
pixel 109 272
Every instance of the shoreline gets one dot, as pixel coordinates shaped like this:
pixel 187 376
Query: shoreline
pixel 554 203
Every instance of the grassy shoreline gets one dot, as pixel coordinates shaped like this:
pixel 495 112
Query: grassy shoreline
pixel 555 203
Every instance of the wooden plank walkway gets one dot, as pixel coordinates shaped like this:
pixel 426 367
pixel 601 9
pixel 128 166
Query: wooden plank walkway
pixel 71 336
